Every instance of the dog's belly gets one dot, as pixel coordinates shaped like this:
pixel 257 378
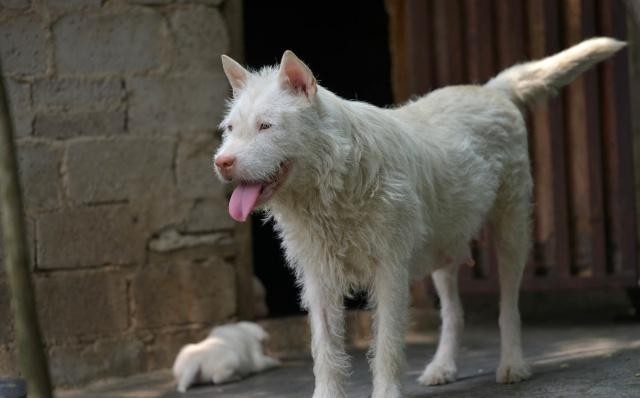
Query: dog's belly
pixel 430 257
pixel 341 249
pixel 359 268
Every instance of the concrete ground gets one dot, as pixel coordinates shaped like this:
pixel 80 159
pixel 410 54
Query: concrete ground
pixel 587 360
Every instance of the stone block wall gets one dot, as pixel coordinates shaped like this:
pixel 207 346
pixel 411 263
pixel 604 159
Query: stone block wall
pixel 115 105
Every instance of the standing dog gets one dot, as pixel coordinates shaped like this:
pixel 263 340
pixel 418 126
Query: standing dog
pixel 368 198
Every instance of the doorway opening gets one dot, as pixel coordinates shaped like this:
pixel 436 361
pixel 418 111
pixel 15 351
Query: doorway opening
pixel 346 45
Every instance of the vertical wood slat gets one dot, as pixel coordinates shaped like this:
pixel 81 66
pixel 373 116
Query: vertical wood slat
pixel 540 149
pixel 551 234
pixel 558 142
pixel 412 70
pixel 509 49
pixel 633 24
pixel 448 42
pixel 410 34
pixel 618 161
pixel 480 66
pixel 479 41
pixel 510 32
pixel 583 151
pixel 610 143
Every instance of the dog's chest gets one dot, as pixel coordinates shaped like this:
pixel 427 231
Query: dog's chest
pixel 340 245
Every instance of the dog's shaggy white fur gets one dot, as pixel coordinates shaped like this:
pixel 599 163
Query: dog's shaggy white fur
pixel 230 352
pixel 368 198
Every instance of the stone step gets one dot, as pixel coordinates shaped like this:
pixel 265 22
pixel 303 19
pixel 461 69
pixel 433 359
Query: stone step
pixel 290 337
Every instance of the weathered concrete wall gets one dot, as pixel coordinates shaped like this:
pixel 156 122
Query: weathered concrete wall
pixel 115 104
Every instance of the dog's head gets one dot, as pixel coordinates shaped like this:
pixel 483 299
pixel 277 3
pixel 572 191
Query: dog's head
pixel 263 130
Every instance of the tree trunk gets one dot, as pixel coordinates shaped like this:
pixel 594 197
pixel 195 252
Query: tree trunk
pixel 33 361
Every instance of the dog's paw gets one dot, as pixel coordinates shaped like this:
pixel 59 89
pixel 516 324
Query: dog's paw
pixel 388 391
pixel 513 373
pixel 328 390
pixel 438 373
pixel 266 363
pixel 328 394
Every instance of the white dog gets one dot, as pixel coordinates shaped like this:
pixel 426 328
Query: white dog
pixel 231 352
pixel 367 198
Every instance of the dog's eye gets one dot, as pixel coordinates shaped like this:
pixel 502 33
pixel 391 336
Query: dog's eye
pixel 229 127
pixel 265 126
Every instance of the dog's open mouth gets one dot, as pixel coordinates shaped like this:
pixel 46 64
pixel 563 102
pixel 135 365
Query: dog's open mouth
pixel 250 194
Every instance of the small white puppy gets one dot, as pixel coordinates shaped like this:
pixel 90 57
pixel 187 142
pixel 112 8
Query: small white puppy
pixel 231 352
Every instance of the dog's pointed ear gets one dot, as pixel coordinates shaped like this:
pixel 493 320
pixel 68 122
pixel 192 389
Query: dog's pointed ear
pixel 236 74
pixel 297 76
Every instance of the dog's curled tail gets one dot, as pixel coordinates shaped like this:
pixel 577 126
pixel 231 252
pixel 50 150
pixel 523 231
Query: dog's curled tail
pixel 529 82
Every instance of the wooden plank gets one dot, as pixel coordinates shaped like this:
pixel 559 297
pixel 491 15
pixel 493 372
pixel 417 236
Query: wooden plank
pixel 551 235
pixel 479 67
pixel 616 133
pixel 412 70
pixel 633 23
pixel 421 46
pixel 562 253
pixel 593 118
pixel 633 10
pixel 448 42
pixel 583 151
pixel 541 152
pixel 410 35
pixel 479 41
pixel 610 140
pixel 398 42
pixel 509 46
pixel 510 23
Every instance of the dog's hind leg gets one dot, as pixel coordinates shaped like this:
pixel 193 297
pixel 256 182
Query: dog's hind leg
pixel 391 296
pixel 512 239
pixel 442 368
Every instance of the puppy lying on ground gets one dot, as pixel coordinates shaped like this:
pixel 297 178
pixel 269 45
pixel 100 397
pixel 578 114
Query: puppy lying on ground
pixel 231 352
pixel 368 198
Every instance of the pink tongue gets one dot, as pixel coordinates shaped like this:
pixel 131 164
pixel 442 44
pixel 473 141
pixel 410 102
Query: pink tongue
pixel 243 200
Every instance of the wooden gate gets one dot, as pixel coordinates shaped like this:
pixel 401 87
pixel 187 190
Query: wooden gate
pixel 580 142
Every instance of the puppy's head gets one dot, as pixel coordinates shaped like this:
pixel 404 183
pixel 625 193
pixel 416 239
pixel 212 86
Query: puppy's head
pixel 263 130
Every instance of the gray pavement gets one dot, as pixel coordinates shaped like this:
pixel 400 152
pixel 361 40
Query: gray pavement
pixel 587 360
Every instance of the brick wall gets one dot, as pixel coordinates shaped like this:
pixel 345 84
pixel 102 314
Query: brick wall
pixel 115 104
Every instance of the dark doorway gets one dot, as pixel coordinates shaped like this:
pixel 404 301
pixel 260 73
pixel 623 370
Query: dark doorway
pixel 345 43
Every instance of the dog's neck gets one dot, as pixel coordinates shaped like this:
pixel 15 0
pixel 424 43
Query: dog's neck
pixel 341 138
pixel 347 167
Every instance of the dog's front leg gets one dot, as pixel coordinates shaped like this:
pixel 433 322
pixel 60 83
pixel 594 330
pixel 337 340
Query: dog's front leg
pixel 391 294
pixel 324 300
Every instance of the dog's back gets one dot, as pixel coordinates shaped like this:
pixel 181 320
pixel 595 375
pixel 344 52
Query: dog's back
pixel 475 138
pixel 478 138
